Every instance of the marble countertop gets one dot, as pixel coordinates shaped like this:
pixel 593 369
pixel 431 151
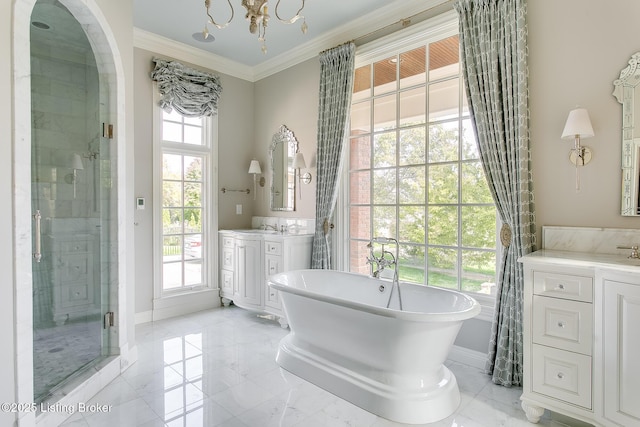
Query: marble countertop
pixel 268 233
pixel 583 259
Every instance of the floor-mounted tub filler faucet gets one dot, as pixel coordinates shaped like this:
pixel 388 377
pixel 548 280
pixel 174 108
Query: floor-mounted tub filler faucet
pixel 386 259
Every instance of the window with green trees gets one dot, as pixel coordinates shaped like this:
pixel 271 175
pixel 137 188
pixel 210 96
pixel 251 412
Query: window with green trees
pixel 414 170
pixel 185 156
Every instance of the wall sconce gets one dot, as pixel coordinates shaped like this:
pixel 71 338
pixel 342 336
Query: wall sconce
pixel 299 163
pixel 255 169
pixel 75 163
pixel 578 126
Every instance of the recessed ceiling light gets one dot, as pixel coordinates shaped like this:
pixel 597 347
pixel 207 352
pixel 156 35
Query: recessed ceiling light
pixel 40 25
pixel 201 38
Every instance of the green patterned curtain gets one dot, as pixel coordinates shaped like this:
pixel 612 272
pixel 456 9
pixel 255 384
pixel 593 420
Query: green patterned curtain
pixel 493 39
pixel 336 86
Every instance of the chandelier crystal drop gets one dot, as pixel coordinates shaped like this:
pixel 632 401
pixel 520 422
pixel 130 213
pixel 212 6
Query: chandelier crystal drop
pixel 258 17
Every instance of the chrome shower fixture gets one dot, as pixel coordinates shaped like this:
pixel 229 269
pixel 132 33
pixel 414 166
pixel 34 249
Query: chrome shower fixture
pixel 386 259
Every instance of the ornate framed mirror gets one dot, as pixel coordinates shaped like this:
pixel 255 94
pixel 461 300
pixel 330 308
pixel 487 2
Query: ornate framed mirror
pixel 627 90
pixel 282 151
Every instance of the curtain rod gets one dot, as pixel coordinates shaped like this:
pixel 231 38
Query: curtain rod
pixel 404 22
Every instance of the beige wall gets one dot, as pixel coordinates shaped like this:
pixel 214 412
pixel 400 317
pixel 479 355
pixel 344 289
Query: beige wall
pixel 236 115
pixel 235 151
pixel 288 98
pixel 576 50
pixel 143 179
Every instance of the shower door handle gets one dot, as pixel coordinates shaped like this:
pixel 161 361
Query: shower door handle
pixel 37 255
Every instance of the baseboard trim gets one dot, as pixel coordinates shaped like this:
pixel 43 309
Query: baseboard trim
pixel 179 305
pixel 144 317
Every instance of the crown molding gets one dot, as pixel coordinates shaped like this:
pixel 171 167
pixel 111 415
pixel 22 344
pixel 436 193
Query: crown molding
pixel 366 25
pixel 163 46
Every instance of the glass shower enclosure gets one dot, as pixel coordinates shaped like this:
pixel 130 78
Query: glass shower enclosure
pixel 73 200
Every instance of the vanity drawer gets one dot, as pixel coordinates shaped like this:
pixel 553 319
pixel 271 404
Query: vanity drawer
pixel 273 298
pixel 578 288
pixel 272 265
pixel 227 258
pixel 227 242
pixel 273 248
pixel 561 375
pixel 226 278
pixel 562 323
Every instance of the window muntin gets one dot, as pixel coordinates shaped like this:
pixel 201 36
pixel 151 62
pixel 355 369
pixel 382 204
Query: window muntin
pixel 185 157
pixel 415 173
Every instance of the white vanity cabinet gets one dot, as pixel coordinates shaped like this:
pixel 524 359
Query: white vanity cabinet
pixel 247 259
pixel 273 263
pixel 284 254
pixel 227 267
pixel 581 343
pixel 619 293
pixel 248 290
pixel 558 331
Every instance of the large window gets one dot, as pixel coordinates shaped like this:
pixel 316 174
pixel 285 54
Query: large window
pixel 414 172
pixel 184 177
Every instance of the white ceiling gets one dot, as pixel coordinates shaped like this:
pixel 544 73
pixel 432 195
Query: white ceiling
pixel 330 22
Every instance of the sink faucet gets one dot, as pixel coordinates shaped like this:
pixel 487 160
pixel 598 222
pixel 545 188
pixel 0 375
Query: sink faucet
pixel 266 226
pixel 634 251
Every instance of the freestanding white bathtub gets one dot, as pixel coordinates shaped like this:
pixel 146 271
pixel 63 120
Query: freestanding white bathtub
pixel 389 362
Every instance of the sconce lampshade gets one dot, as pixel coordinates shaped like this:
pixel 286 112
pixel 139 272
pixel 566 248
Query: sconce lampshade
pixel 254 167
pixel 76 162
pixel 298 161
pixel 578 123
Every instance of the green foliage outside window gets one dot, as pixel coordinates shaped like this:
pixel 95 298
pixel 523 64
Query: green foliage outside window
pixel 181 200
pixel 429 195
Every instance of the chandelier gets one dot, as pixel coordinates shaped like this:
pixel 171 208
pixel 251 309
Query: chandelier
pixel 258 19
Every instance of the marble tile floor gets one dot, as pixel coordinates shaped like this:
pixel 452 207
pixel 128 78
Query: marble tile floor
pixel 217 368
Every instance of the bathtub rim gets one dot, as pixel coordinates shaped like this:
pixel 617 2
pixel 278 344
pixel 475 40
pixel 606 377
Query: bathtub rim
pixel 414 316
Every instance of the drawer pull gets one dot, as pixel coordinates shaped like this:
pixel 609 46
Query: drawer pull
pixel 560 375
pixel 560 287
pixel 561 324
